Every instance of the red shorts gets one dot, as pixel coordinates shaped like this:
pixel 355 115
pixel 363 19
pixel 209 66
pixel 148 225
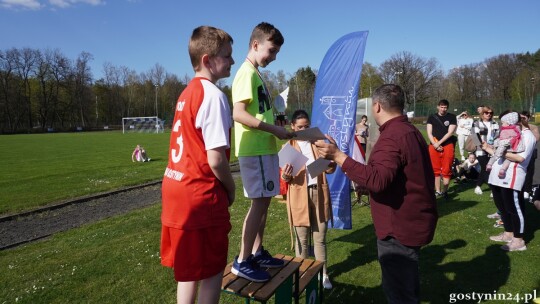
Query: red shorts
pixel 195 254
pixel 442 161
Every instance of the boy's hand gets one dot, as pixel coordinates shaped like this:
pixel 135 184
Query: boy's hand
pixel 286 173
pixel 282 133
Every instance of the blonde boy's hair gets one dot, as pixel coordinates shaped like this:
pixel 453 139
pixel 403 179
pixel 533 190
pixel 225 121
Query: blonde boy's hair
pixel 266 31
pixel 206 40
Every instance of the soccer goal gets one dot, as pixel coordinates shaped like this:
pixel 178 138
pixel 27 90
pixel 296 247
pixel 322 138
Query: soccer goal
pixel 151 124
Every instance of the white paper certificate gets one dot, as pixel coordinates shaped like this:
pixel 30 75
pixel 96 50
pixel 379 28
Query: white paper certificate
pixel 289 155
pixel 317 167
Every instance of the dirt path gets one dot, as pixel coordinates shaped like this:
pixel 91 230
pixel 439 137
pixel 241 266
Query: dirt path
pixel 39 224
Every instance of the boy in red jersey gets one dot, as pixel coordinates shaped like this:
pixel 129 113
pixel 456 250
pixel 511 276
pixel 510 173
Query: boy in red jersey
pixel 198 186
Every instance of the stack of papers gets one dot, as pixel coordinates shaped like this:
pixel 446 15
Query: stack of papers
pixel 289 155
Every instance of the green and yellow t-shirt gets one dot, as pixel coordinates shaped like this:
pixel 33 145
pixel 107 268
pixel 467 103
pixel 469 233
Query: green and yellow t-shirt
pixel 249 88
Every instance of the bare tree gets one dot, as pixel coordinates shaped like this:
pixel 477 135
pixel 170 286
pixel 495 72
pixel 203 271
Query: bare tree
pixel 7 85
pixel 129 80
pixel 25 63
pixel 45 88
pixel 500 72
pixel 112 83
pixel 157 72
pixel 82 81
pixel 466 85
pixel 60 69
pixel 172 87
pixel 420 78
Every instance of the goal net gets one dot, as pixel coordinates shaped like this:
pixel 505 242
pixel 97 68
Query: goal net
pixel 151 124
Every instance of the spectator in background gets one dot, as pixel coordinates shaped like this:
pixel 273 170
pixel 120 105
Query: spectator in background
pixel 362 132
pixel 488 130
pixel 463 130
pixel 480 110
pixel 507 191
pixel 468 169
pixel 509 140
pixel 440 130
pixel 139 154
pixel 527 187
pixel 536 182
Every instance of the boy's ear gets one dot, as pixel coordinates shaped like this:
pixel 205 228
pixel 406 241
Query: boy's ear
pixel 205 60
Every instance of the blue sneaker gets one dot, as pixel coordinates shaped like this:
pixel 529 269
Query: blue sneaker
pixel 265 259
pixel 249 270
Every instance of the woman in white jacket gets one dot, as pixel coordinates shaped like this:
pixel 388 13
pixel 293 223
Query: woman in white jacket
pixel 463 130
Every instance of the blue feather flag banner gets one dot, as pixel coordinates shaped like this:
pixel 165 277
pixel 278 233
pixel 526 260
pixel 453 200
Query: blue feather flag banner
pixel 334 112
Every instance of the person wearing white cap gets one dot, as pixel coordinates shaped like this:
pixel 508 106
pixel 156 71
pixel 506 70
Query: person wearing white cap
pixel 509 141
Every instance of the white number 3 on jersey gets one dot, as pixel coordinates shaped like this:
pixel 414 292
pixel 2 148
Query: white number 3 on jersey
pixel 174 155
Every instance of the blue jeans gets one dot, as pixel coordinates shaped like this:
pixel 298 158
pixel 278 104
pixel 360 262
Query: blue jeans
pixel 400 271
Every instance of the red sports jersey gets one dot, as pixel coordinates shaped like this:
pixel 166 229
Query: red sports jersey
pixel 192 196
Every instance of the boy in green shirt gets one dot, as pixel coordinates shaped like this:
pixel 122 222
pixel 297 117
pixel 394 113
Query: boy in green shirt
pixel 256 149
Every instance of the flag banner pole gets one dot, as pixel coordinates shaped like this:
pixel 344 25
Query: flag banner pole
pixel 334 112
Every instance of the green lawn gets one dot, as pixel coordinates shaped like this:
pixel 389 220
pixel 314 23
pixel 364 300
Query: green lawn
pixel 42 168
pixel 117 260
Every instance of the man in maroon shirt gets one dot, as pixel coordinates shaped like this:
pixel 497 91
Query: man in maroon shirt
pixel 400 180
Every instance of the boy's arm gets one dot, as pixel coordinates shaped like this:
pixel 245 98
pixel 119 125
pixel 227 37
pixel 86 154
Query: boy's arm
pixel 431 138
pixel 242 116
pixel 217 159
pixel 451 130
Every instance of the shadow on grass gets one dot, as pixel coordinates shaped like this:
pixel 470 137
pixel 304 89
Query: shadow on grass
pixel 454 203
pixel 439 280
pixel 349 293
pixel 532 222
pixel 483 274
pixel 366 253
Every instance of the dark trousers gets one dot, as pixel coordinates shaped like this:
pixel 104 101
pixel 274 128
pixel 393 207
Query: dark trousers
pixel 484 175
pixel 400 272
pixel 528 185
pixel 511 206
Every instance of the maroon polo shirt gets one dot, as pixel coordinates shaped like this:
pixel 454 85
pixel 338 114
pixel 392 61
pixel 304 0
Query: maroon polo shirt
pixel 401 185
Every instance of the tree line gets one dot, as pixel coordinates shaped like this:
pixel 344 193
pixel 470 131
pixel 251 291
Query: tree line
pixel 43 89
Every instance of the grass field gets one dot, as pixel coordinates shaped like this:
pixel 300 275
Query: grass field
pixel 42 168
pixel 117 260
